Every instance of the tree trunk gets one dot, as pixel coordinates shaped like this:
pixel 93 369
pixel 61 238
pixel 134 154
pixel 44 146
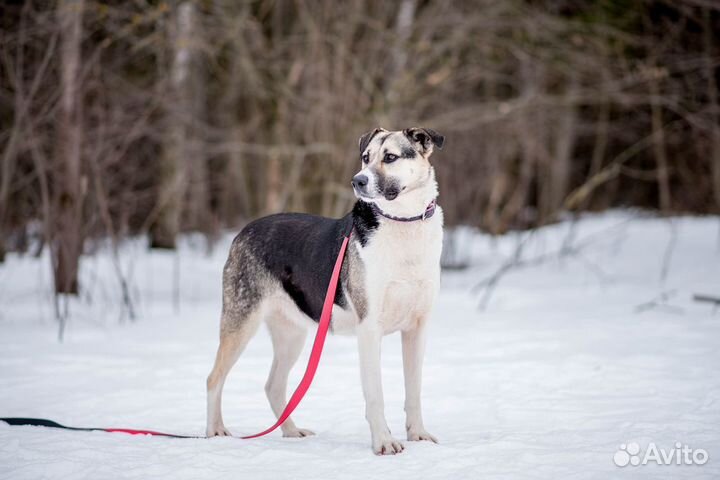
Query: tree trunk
pixel 599 149
pixel 68 235
pixel 560 167
pixel 399 53
pixel 182 166
pixel 234 201
pixel 273 163
pixel 714 108
pixel 663 176
pixel 531 132
pixel 194 97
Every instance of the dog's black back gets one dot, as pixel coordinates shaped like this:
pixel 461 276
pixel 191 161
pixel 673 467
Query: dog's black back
pixel 300 250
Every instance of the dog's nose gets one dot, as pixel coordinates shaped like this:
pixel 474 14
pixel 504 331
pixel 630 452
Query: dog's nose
pixel 360 181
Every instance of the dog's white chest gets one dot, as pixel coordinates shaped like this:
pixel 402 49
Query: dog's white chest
pixel 402 265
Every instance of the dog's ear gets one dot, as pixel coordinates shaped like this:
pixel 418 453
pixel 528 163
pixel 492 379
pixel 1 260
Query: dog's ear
pixel 365 139
pixel 425 136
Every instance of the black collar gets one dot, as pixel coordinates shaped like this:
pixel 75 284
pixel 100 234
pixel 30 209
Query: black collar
pixel 429 212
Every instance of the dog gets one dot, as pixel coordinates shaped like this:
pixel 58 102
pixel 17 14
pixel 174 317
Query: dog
pixel 279 267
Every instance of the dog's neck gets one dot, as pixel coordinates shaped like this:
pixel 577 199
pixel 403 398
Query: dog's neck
pixel 413 201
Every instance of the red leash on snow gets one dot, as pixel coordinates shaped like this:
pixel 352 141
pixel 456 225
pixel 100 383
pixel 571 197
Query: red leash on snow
pixel 317 348
pixel 297 396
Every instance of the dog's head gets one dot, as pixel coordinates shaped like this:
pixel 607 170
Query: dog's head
pixel 395 163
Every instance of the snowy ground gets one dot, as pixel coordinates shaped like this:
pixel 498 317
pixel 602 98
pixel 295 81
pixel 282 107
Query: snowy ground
pixel 558 371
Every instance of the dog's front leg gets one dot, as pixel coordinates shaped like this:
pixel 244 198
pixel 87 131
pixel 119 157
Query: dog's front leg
pixel 413 348
pixel 369 338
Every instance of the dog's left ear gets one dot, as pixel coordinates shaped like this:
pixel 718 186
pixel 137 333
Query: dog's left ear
pixel 364 141
pixel 425 136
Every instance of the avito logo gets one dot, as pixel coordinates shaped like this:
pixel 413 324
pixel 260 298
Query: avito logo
pixel 631 454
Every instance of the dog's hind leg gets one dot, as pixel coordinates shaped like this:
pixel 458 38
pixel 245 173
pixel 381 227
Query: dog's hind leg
pixel 234 336
pixel 288 340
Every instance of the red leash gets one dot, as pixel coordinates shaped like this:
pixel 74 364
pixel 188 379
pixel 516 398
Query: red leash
pixel 317 348
pixel 297 396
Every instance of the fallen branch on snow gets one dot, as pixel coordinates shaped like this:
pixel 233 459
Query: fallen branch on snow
pixel 698 297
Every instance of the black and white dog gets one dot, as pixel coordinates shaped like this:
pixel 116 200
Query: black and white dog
pixel 279 267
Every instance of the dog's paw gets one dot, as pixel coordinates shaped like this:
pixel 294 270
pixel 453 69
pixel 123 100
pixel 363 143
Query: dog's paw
pixel 387 446
pixel 298 433
pixel 420 435
pixel 218 431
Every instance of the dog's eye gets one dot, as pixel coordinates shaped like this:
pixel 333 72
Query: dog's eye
pixel 389 158
pixel 365 158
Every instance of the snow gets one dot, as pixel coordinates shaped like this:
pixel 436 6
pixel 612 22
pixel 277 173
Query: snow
pixel 570 359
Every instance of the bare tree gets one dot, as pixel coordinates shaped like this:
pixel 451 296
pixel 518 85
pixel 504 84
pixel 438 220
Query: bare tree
pixel 182 182
pixel 714 107
pixel 663 175
pixel 67 236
